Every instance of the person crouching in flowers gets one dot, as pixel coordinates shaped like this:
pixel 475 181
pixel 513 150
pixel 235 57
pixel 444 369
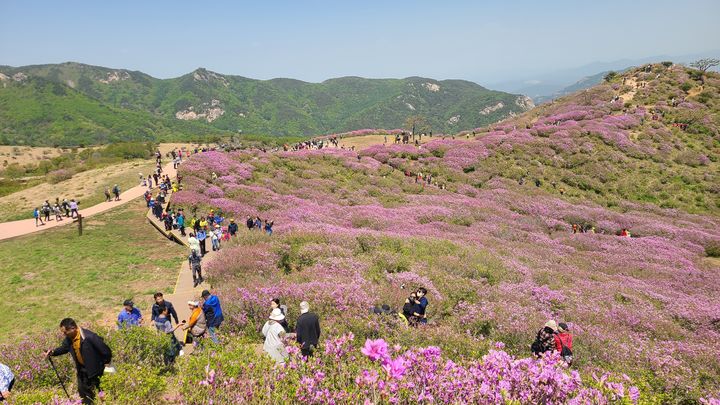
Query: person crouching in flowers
pixel 274 332
pixel 545 339
pixel 196 325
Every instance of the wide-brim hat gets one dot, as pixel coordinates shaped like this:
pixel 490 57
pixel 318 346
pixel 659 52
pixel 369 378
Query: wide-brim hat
pixel 552 325
pixel 277 315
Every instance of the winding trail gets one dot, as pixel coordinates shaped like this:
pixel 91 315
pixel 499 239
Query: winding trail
pixel 14 229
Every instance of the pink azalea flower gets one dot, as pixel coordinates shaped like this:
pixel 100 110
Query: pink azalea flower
pixel 375 349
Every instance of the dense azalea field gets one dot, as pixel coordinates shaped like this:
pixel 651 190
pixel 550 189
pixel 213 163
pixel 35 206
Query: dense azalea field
pixel 494 248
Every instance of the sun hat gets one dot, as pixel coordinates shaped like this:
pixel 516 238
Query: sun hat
pixel 552 325
pixel 277 315
pixel 563 327
pixel 193 303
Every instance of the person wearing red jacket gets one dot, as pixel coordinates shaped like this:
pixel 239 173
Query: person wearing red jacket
pixel 563 337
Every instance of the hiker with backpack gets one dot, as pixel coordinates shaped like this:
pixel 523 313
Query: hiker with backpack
pixel 250 223
pixel 195 260
pixel 116 191
pixel 108 197
pixel 91 356
pixel 563 343
pixel 194 243
pixel 545 339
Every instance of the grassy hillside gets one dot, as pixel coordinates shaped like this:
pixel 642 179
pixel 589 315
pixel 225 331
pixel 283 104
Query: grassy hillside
pixel 646 136
pixel 36 111
pixel 490 238
pixel 280 107
pixel 47 271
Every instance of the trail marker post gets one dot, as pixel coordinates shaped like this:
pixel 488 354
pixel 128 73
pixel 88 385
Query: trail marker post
pixel 79 221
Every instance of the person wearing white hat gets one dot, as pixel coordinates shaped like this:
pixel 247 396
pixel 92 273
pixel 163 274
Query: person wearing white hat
pixel 274 332
pixel 545 338
pixel 197 325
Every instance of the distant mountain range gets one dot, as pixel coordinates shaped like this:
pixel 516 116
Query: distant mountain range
pixel 72 103
pixel 551 85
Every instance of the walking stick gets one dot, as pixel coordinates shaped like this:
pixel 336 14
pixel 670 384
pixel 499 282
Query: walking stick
pixel 58 376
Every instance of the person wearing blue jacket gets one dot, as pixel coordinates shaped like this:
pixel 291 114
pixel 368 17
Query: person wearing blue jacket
pixel 201 236
pixel 213 313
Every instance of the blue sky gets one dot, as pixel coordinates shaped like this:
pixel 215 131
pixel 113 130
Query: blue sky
pixel 483 41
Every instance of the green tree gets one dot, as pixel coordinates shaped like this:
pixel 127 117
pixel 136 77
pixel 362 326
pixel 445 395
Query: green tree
pixel 418 124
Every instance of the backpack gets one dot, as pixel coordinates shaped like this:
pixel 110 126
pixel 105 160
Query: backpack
pixel 566 354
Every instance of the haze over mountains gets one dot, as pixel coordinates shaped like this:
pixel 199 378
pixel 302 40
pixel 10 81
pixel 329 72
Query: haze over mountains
pixel 546 86
pixel 72 103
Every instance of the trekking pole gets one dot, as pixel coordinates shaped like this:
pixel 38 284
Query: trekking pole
pixel 58 376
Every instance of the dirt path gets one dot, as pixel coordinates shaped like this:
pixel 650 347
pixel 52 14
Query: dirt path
pixel 27 226
pixel 184 290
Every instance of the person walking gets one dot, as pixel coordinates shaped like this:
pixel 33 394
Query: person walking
pixel 308 330
pixel 46 210
pixel 73 208
pixel 274 333
pixel 194 243
pixel 160 301
pixel 7 380
pixel 201 236
pixel 181 223
pixel 194 260
pixel 38 218
pixel 215 236
pixel 232 228
pixel 58 213
pixel 108 197
pixel 268 227
pixel 91 356
pixel 212 302
pixel 66 207
pixel 250 223
pixel 129 316
pixel 116 192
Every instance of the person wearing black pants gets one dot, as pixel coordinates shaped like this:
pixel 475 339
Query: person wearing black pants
pixel 202 236
pixel 91 356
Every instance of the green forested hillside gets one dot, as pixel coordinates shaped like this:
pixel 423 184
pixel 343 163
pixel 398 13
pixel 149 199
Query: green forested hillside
pixel 153 108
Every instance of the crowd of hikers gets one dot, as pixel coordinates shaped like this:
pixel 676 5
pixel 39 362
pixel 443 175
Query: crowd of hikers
pixel 57 211
pixel 92 357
